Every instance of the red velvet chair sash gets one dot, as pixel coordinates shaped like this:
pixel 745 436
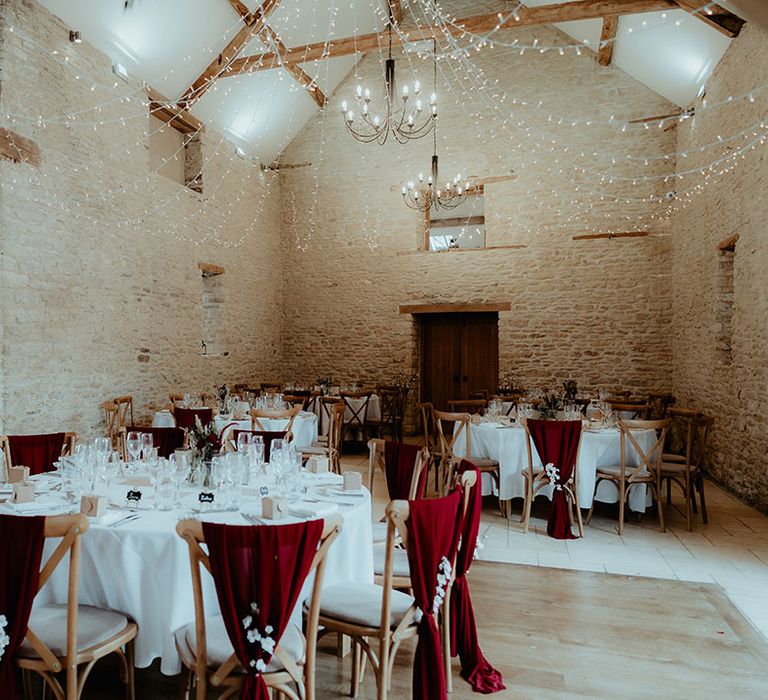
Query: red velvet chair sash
pixel 166 440
pixel 259 572
pixel 432 540
pixel 185 417
pixel 399 462
pixel 21 551
pixel 557 443
pixel 38 452
pixel 268 435
pixel 475 668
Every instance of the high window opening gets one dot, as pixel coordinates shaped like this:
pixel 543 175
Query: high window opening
pixel 175 155
pixel 213 303
pixel 724 299
pixel 459 228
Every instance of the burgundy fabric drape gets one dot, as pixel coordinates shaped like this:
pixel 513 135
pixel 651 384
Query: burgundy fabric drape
pixel 259 572
pixel 399 461
pixel 557 443
pixel 432 540
pixel 267 435
pixel 166 440
pixel 475 668
pixel 185 417
pixel 21 551
pixel 38 452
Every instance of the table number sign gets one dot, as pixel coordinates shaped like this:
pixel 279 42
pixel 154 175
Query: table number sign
pixel 18 475
pixel 317 465
pixel 353 481
pixel 274 508
pixel 23 493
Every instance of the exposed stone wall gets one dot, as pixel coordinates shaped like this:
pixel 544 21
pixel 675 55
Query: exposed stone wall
pixel 732 386
pixel 598 311
pixel 101 293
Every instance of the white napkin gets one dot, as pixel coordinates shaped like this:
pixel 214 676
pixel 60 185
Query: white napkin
pixel 41 504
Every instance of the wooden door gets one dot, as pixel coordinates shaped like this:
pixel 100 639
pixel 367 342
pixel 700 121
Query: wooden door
pixel 459 355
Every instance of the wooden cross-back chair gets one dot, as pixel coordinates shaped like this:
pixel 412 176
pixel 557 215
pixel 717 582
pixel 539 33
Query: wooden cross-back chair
pixel 376 460
pixel 686 469
pixel 326 404
pixel 637 410
pixel 659 405
pixel 271 387
pixel 431 440
pixel 391 409
pixel 67 448
pixel 447 441
pixel 471 406
pixel 379 617
pixel 124 410
pixel 111 426
pixel 288 414
pixel 647 472
pixel 536 479
pixel 330 444
pixel 297 400
pixel 106 632
pixel 205 664
pixel 358 415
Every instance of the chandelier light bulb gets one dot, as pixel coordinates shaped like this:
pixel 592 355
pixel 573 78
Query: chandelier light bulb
pixel 367 94
pixel 433 98
pixel 350 117
pixel 405 91
pixel 359 91
pixel 344 107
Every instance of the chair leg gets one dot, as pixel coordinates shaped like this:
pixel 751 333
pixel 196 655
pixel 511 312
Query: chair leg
pixel 660 505
pixel 700 483
pixel 575 506
pixel 185 683
pixel 623 495
pixel 669 492
pixel 526 517
pixel 355 687
pixel 688 494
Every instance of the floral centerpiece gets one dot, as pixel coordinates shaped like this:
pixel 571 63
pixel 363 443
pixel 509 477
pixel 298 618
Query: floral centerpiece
pixel 325 384
pixel 204 442
pixel 570 390
pixel 549 406
pixel 507 386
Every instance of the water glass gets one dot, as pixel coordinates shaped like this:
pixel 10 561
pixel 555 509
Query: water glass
pixel 179 469
pixel 133 445
pixel 146 446
pixel 243 442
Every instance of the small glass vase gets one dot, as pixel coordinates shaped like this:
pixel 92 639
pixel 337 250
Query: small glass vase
pixel 200 476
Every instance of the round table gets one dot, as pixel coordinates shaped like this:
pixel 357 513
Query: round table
pixel 304 427
pixel 599 447
pixel 141 568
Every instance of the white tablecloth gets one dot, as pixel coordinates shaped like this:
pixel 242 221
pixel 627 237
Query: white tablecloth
pixel 374 411
pixel 304 427
pixel 142 568
pixel 506 444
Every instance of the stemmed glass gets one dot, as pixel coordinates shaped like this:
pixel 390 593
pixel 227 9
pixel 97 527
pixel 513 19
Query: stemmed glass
pixel 244 441
pixel 146 446
pixel 133 445
pixel 179 472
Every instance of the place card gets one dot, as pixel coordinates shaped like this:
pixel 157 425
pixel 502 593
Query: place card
pixel 18 475
pixel 133 496
pixel 353 481
pixel 93 506
pixel 205 497
pixel 273 508
pixel 23 493
pixel 318 465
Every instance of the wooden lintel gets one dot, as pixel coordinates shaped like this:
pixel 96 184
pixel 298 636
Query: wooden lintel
pixel 455 308
pixel 460 28
pixel 18 148
pixel 209 269
pixel 607 40
pixel 173 115
pixel 610 236
pixel 714 15
pixel 458 221
pixel 729 244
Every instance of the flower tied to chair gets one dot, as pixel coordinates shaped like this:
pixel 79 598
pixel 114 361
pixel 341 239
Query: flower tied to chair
pixel 433 531
pixel 557 444
pixel 475 668
pixel 259 572
pixel 21 551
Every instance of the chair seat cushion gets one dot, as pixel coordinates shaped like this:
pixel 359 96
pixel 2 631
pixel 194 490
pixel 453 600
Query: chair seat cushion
pixel 615 470
pixel 483 463
pixel 315 450
pixel 674 468
pixel 400 565
pixel 360 604
pixel 219 648
pixel 94 626
pixel 672 457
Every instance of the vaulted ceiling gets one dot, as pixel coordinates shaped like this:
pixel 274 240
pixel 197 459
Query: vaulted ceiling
pixel 196 56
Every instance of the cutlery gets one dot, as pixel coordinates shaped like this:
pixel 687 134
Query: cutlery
pixel 126 519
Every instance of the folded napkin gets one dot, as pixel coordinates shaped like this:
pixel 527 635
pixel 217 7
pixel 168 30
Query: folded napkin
pixel 41 504
pixel 323 478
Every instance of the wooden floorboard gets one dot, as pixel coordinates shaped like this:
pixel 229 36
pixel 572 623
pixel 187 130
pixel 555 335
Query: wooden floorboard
pixel 572 634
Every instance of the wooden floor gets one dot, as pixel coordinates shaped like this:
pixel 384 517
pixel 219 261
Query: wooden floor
pixel 572 634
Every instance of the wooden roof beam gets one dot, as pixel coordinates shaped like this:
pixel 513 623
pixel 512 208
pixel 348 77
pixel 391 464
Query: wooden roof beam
pixel 180 119
pixel 607 40
pixel 478 24
pixel 714 15
pixel 395 11
pixel 18 148
pixel 253 23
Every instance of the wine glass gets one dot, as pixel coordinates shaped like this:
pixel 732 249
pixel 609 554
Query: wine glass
pixel 243 442
pixel 103 446
pixel 179 472
pixel 133 445
pixel 146 446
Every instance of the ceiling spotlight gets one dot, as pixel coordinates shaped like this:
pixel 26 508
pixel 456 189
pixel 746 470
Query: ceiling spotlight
pixel 75 37
pixel 120 70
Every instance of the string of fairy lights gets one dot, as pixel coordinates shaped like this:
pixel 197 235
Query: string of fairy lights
pixel 532 130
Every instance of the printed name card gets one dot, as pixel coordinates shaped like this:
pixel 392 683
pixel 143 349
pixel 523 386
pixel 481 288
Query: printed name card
pixel 205 497
pixel 93 506
pixel 274 508
pixel 18 475
pixel 133 496
pixel 23 493
pixel 353 481
pixel 317 465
